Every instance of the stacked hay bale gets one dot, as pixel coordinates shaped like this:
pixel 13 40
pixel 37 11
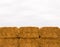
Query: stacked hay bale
pixel 6 32
pixel 28 32
pixel 29 36
pixel 7 37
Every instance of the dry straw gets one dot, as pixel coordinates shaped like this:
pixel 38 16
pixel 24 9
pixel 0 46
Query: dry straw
pixel 29 37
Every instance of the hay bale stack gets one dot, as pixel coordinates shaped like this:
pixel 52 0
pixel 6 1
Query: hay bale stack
pixel 29 37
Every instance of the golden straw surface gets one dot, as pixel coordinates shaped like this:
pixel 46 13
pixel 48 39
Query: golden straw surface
pixel 29 37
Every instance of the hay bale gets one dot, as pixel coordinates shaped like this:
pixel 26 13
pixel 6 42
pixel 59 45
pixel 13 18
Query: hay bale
pixel 49 42
pixel 48 32
pixel 28 32
pixel 6 32
pixel 8 42
pixel 28 43
pixel 58 33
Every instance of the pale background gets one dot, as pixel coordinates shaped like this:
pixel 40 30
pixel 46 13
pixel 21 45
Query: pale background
pixel 30 13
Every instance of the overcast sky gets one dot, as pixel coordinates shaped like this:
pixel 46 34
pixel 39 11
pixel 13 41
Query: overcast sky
pixel 30 13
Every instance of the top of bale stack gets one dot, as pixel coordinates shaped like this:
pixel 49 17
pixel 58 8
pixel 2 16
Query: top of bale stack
pixel 8 32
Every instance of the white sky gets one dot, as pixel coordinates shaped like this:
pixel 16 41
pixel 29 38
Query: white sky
pixel 30 13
